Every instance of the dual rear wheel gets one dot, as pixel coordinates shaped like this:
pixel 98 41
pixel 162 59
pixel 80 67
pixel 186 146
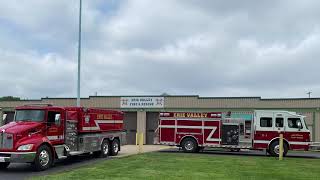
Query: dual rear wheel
pixel 4 165
pixel 108 148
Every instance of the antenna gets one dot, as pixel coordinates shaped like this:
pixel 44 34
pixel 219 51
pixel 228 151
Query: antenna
pixel 309 93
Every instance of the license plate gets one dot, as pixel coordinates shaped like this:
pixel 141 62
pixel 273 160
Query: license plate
pixel 2 159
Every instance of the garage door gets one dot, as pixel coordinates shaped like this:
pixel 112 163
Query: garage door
pixel 130 125
pixel 152 124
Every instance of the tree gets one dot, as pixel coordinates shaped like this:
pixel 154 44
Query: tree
pixel 9 98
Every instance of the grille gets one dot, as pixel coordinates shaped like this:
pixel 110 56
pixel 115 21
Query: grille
pixel 6 143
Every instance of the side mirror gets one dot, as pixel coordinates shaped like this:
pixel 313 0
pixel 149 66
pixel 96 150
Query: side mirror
pixel 299 125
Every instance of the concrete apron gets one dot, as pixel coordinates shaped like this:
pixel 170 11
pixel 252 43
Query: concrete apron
pixel 128 150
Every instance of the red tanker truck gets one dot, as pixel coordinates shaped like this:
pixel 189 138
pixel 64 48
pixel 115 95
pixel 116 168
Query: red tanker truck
pixel 41 134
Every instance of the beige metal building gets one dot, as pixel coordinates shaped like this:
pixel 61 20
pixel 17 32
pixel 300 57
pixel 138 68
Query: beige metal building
pixel 141 112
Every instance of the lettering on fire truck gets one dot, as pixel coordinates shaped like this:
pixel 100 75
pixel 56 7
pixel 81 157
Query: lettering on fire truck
pixel 104 116
pixel 190 115
pixel 191 130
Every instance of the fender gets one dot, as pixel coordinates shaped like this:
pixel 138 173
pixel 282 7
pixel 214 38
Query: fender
pixel 185 136
pixel 37 140
pixel 277 138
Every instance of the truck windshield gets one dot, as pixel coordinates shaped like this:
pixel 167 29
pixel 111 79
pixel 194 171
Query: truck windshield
pixel 29 115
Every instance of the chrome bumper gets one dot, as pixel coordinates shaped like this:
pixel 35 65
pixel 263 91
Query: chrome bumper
pixel 17 157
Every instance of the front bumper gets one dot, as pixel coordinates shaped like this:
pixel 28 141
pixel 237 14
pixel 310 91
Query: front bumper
pixel 17 157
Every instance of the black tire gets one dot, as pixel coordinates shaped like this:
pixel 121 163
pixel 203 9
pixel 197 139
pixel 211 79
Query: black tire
pixel 274 148
pixel 189 145
pixel 104 151
pixel 4 165
pixel 199 149
pixel 268 151
pixel 235 150
pixel 115 147
pixel 44 158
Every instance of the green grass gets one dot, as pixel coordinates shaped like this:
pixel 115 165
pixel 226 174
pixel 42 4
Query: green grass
pixel 195 166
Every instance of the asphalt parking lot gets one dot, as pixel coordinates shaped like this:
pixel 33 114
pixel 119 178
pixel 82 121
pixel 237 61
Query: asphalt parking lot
pixel 24 171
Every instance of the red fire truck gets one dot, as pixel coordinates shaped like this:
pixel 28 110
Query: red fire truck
pixel 41 134
pixel 194 131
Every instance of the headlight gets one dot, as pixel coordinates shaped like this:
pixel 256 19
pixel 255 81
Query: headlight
pixel 26 147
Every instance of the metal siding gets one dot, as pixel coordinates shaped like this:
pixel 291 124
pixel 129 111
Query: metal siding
pixel 152 124
pixel 317 127
pixel 180 102
pixel 130 125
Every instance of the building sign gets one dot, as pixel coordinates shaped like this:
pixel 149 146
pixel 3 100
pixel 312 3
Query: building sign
pixel 142 102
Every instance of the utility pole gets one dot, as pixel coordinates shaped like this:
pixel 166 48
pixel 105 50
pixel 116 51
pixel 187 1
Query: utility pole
pixel 79 55
pixel 309 93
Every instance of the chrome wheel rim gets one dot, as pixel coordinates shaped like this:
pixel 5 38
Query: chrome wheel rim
pixel 44 158
pixel 115 147
pixel 105 148
pixel 189 145
pixel 277 149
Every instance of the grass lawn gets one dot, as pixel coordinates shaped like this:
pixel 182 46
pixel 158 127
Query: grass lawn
pixel 195 166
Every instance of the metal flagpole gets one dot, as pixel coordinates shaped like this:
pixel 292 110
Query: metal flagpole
pixel 79 56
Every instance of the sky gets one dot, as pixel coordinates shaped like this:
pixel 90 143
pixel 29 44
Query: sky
pixel 216 48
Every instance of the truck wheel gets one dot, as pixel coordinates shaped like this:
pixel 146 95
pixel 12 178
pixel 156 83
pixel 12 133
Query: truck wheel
pixel 274 148
pixel 189 145
pixel 114 148
pixel 43 158
pixel 4 165
pixel 235 150
pixel 104 148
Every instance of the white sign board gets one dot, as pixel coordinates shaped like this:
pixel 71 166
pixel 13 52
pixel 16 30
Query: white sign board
pixel 142 102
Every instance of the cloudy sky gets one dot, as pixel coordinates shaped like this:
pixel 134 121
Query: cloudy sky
pixel 140 47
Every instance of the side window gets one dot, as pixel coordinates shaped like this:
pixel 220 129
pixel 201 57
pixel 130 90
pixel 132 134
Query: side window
pixel 265 122
pixel 293 122
pixel 279 122
pixel 54 117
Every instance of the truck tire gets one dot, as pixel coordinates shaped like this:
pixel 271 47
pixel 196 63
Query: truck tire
pixel 114 148
pixel 189 145
pixel 274 148
pixel 4 165
pixel 43 158
pixel 235 150
pixel 104 149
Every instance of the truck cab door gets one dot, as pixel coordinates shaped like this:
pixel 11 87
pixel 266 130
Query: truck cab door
pixel 55 126
pixel 264 129
pixel 279 123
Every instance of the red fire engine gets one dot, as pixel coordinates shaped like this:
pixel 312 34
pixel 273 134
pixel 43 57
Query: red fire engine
pixel 41 134
pixel 194 131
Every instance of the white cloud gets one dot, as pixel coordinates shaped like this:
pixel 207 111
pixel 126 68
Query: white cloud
pixel 29 74
pixel 210 48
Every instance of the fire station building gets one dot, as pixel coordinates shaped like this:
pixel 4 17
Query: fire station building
pixel 142 112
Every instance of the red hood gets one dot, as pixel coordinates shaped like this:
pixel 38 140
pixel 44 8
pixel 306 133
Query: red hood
pixel 18 127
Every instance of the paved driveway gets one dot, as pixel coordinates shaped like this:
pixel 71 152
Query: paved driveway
pixel 24 171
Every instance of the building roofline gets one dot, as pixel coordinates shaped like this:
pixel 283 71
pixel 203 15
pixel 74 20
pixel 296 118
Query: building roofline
pixel 195 96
